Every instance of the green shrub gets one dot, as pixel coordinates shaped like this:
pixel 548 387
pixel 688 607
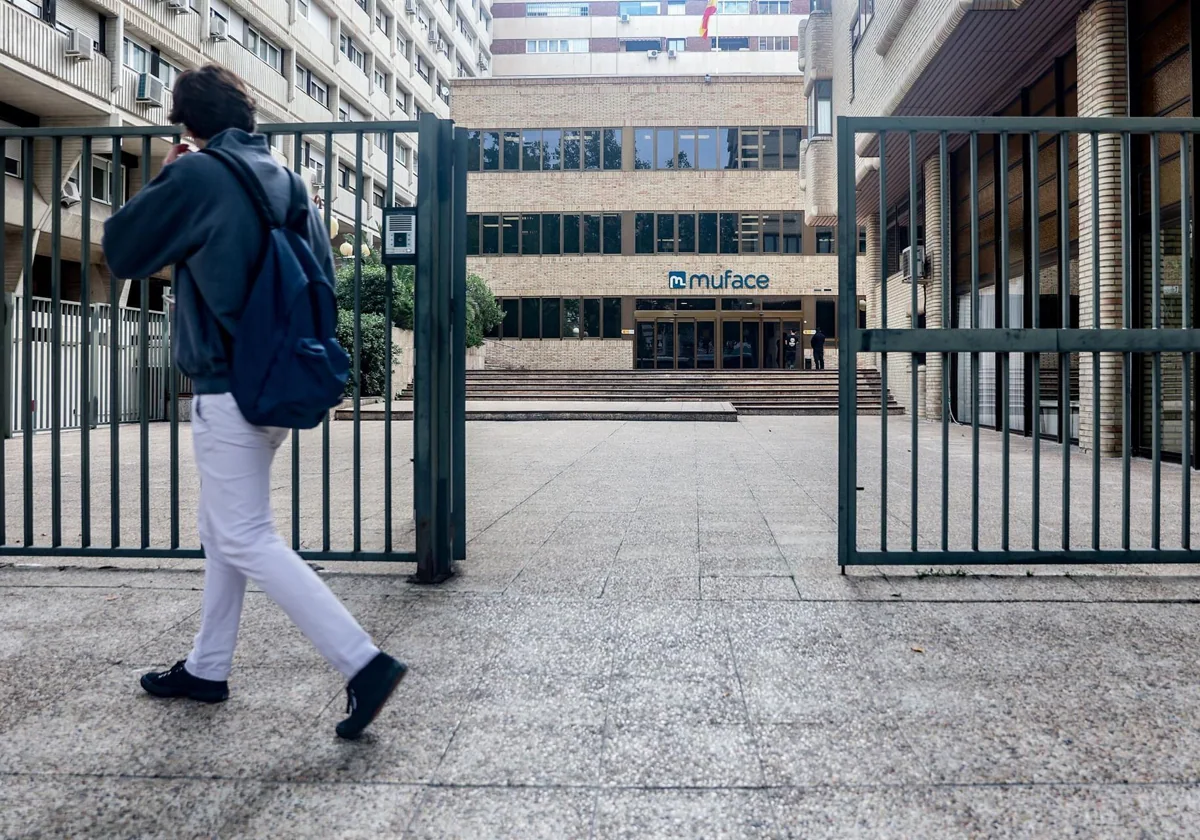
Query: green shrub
pixel 373 291
pixel 373 334
pixel 483 313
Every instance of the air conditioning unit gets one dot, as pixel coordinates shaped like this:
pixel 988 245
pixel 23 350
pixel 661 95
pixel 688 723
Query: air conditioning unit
pixel 410 7
pixel 624 18
pixel 179 7
pixel 433 36
pixel 70 194
pixel 672 53
pixel 149 90
pixel 907 266
pixel 441 46
pixel 651 53
pixel 218 29
pixel 80 46
pixel 482 64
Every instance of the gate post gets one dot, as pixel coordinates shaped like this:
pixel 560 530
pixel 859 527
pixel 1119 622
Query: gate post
pixel 458 382
pixel 6 372
pixel 848 347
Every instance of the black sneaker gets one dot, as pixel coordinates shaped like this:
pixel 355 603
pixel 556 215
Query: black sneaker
pixel 177 682
pixel 368 691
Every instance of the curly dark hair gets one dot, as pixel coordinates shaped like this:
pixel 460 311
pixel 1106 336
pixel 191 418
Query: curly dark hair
pixel 209 100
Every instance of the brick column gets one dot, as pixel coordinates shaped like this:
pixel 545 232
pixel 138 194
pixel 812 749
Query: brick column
pixel 1101 44
pixel 868 282
pixel 933 287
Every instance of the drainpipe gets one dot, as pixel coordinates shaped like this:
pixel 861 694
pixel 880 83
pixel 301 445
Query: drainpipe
pixel 116 61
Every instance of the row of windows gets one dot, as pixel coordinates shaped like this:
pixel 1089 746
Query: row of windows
pixel 552 317
pixel 553 234
pixel 555 149
pixel 736 43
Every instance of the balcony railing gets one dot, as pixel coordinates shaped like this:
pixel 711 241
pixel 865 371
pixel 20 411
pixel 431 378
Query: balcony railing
pixel 27 40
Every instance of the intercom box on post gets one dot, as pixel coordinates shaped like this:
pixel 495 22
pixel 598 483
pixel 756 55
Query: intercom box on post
pixel 400 236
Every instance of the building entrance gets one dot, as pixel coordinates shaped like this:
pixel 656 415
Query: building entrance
pixel 742 339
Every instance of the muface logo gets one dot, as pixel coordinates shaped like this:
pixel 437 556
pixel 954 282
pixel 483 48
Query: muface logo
pixel 679 280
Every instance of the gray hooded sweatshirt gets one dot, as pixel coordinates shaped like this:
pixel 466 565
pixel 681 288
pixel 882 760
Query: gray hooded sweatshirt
pixel 196 216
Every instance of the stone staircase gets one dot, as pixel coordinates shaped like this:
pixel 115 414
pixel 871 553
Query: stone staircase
pixel 750 392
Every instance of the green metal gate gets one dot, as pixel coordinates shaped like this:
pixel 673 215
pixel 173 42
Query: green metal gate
pixel 67 487
pixel 1126 324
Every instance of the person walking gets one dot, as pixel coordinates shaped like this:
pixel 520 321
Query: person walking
pixel 198 216
pixel 818 348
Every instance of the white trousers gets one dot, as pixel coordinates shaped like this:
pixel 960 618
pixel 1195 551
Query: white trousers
pixel 237 530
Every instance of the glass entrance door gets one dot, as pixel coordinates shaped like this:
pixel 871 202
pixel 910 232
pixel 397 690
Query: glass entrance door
pixel 706 345
pixel 751 345
pixel 664 344
pixel 685 356
pixel 772 345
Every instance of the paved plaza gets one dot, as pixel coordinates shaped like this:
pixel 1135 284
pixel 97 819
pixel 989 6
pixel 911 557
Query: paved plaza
pixel 649 638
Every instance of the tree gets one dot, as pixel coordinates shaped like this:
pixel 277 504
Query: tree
pixel 483 313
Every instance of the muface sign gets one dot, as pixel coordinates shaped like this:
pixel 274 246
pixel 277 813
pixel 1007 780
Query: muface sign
pixel 683 281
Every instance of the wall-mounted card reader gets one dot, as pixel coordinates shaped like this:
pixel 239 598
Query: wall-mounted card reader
pixel 400 236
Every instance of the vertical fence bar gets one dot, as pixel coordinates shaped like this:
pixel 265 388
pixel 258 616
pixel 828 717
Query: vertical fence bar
pixel 1002 359
pixel 115 328
pixel 144 375
pixel 847 356
pixel 7 315
pixel 325 497
pixel 358 241
pixel 947 319
pixel 173 380
pixel 1185 222
pixel 1035 261
pixel 974 149
pixel 388 295
pixel 1064 359
pixel 1096 326
pixel 914 271
pixel 297 163
pixel 1156 323
pixel 444 285
pixel 458 383
pixel 85 342
pixel 1126 323
pixel 883 359
pixel 423 339
pixel 27 334
pixel 56 343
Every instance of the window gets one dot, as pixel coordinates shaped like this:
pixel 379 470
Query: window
pixel 770 150
pixel 708 233
pixel 383 21
pixel 512 317
pixel 29 7
pixel 401 100
pixel 791 147
pixel 643 148
pixel 825 241
pixel 792 236
pixel 557 45
pixel 351 51
pixel 820 109
pixel 612 233
pixel 377 197
pixel 551 318
pixel 556 10
pixel 749 148
pixel 775 43
pixel 591 318
pixel 343 114
pixel 571 230
pixel 346 177
pixel 310 84
pixel 638 7
pixel 770 233
pixel 733 7
pixel 473 242
pixel 551 230
pixel 422 69
pixel 591 234
pixel 685 156
pixel 729 137
pixel 676 7
pixel 612 148
pixel 862 240
pixel 264 49
pixel 531 317
pixel 729 233
pixel 380 141
pixel 302 8
pixel 512 150
pixel 677 44
pixel 551 149
pixel 706 148
pixel 12 154
pixel 490 144
pixel 102 179
pixel 730 44
pixel 687 233
pixel 751 226
pixel 665 159
pixel 402 152
pixel 381 81
pixel 612 317
pixel 402 47
pixel 641 44
pixel 531 149
pixel 491 234
pixel 866 11
pixel 774 7
pixel 314 162
pixel 572 150
pixel 643 233
pixel 666 233
pixel 136 57
pixel 531 234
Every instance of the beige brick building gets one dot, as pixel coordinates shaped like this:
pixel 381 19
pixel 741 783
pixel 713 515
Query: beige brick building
pixel 1034 58
pixel 644 222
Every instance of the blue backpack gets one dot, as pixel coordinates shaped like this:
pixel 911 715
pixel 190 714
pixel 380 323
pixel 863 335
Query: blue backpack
pixel 288 369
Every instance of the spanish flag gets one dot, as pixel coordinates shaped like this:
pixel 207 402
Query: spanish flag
pixel 709 11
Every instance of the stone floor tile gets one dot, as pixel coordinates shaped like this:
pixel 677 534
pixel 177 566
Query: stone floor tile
pixel 752 588
pixel 517 813
pixel 864 749
pixel 688 755
pixel 821 813
pixel 522 753
pixel 350 811
pixel 712 814
pixel 714 699
pixel 539 697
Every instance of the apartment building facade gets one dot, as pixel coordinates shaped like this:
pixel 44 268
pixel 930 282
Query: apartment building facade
pixel 644 223
pixel 1086 58
pixel 113 62
pixel 646 38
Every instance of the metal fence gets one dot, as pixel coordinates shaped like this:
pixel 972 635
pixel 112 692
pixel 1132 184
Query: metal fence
pixel 89 358
pixel 1088 209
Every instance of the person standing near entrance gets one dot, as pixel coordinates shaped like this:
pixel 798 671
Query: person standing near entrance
pixel 198 216
pixel 791 347
pixel 818 348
